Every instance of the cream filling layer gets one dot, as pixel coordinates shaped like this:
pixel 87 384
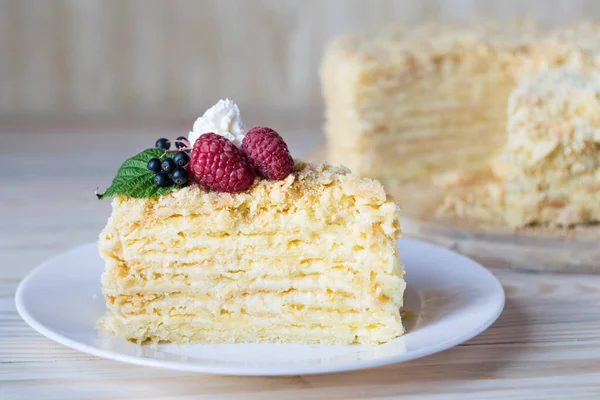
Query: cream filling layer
pixel 224 286
pixel 255 303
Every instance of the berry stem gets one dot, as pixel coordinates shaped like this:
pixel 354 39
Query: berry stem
pixel 184 141
pixel 175 151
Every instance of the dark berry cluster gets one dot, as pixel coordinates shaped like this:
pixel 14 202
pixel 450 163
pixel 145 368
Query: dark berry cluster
pixel 171 170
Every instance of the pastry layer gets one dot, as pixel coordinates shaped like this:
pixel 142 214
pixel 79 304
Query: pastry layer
pixel 315 251
pixel 321 302
pixel 254 329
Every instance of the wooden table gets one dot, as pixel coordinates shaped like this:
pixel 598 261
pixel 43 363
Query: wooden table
pixel 546 344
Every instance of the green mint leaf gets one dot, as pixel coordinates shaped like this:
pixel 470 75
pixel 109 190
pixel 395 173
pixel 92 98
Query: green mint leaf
pixel 134 179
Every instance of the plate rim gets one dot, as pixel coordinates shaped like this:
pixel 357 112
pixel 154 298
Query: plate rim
pixel 261 371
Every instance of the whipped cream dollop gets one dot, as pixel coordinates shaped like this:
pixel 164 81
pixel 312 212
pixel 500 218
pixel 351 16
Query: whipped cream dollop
pixel 223 119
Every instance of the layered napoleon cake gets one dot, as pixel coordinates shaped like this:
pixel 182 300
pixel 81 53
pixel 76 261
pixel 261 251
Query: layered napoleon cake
pixel 310 257
pixel 410 103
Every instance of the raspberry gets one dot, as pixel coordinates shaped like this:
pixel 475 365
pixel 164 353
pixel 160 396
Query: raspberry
pixel 268 153
pixel 216 163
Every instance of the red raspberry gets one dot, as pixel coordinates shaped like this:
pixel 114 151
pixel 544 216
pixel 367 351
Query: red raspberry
pixel 216 163
pixel 268 153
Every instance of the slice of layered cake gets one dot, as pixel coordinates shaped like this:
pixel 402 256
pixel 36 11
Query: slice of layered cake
pixel 305 256
pixel 553 150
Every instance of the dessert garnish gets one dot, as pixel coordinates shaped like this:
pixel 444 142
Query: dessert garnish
pixel 268 153
pixel 217 164
pixel 153 172
pixel 223 158
pixel 224 119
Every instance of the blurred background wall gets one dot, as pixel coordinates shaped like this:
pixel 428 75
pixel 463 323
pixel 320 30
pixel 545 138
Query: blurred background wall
pixel 159 56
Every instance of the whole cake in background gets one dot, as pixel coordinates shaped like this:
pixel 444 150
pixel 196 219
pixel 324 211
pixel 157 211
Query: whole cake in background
pixel 415 103
pixel 251 246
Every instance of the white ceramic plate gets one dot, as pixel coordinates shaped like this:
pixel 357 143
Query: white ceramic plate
pixel 451 298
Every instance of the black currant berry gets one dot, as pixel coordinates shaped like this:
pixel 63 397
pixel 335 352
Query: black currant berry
pixel 154 165
pixel 180 176
pixel 181 140
pixel 181 158
pixel 162 179
pixel 163 143
pixel 167 165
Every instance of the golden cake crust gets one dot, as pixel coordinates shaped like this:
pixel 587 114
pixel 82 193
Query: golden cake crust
pixel 309 184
